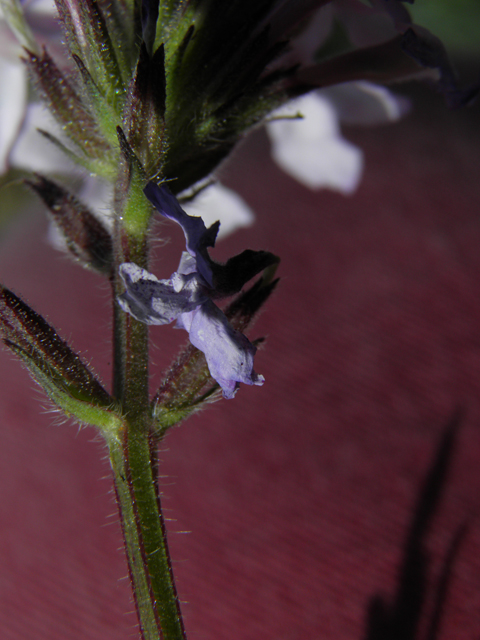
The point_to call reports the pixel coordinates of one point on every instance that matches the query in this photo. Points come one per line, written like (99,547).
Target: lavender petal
(198,237)
(228,352)
(154,301)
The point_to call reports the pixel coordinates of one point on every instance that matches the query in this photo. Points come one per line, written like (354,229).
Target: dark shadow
(443,582)
(399,620)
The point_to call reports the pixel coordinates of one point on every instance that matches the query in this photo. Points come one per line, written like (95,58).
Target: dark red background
(300,497)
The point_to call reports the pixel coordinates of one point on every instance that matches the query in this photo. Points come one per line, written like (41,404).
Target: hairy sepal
(66,105)
(105,114)
(60,372)
(144,116)
(86,237)
(89,38)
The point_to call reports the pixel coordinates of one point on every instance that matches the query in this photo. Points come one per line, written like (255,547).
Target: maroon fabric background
(327,488)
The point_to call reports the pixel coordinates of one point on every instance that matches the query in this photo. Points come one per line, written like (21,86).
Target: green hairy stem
(134,469)
(134,455)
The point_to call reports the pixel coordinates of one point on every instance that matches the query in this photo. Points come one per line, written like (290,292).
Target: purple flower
(187,295)
(197,236)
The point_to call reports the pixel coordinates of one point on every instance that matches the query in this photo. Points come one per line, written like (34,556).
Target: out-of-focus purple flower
(187,296)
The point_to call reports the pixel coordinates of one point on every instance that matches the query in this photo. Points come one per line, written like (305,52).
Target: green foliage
(455,22)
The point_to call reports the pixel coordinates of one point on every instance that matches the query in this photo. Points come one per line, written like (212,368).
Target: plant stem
(145,540)
(144,603)
(134,456)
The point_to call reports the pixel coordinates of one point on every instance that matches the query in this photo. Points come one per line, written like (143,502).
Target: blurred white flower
(216,202)
(310,148)
(306,138)
(31,150)
(366,103)
(14,82)
(306,144)
(12,107)
(22,146)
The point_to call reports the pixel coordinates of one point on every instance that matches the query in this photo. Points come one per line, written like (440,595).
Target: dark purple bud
(156,93)
(149,22)
(428,51)
(186,382)
(230,277)
(144,112)
(242,310)
(125,147)
(86,237)
(134,166)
